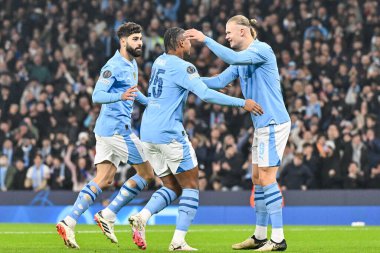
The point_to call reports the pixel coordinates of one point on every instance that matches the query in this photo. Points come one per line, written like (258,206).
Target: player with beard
(115,142)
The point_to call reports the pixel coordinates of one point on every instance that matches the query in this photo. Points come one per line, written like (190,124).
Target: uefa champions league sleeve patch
(107,74)
(104,78)
(191,70)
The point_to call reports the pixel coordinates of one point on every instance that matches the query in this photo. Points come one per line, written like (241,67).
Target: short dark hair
(126,29)
(171,38)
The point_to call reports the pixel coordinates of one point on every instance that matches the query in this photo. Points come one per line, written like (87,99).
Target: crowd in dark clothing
(328,54)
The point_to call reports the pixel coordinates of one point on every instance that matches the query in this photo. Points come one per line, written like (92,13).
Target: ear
(181,43)
(242,32)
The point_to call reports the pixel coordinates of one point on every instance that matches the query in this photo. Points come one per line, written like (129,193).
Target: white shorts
(172,158)
(269,144)
(118,148)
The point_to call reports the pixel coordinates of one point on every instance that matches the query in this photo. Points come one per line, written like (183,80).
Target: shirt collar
(119,56)
(253,42)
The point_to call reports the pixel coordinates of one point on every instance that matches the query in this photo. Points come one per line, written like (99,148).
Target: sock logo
(186,212)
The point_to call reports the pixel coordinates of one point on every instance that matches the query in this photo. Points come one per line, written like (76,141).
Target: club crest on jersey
(191,70)
(107,74)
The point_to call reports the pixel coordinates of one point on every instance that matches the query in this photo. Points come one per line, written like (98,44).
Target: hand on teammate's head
(194,34)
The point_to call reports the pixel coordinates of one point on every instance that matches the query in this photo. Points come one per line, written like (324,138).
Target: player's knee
(175,187)
(191,184)
(267,181)
(148,177)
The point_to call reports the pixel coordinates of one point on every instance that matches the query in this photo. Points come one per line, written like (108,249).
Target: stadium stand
(328,55)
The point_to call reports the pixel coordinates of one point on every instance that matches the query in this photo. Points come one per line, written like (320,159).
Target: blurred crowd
(328,54)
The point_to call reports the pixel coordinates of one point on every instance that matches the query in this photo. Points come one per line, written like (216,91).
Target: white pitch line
(121,231)
(191,230)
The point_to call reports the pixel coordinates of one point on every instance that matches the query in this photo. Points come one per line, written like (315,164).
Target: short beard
(134,52)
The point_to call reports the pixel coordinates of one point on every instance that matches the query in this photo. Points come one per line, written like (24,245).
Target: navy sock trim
(271,194)
(138,187)
(96,194)
(162,195)
(130,190)
(187,205)
(190,198)
(167,193)
(273,200)
(92,197)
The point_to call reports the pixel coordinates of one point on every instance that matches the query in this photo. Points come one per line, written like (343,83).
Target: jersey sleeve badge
(192,72)
(107,74)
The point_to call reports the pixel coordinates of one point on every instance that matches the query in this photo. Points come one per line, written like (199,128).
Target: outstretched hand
(194,34)
(130,94)
(252,106)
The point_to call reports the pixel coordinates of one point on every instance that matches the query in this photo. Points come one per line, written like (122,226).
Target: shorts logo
(261,150)
(107,74)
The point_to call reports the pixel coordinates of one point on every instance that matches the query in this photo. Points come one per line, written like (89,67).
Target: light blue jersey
(116,76)
(259,79)
(171,80)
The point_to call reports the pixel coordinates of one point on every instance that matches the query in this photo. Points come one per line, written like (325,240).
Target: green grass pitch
(40,238)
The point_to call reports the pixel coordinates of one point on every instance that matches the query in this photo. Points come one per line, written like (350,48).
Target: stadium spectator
(355,151)
(230,169)
(296,175)
(310,160)
(19,176)
(60,175)
(7,173)
(330,171)
(354,179)
(37,175)
(374,177)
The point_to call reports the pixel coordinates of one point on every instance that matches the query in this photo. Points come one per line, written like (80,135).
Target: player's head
(130,38)
(174,40)
(238,29)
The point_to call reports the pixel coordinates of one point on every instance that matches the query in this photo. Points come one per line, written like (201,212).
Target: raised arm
(228,55)
(195,85)
(211,96)
(222,80)
(246,57)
